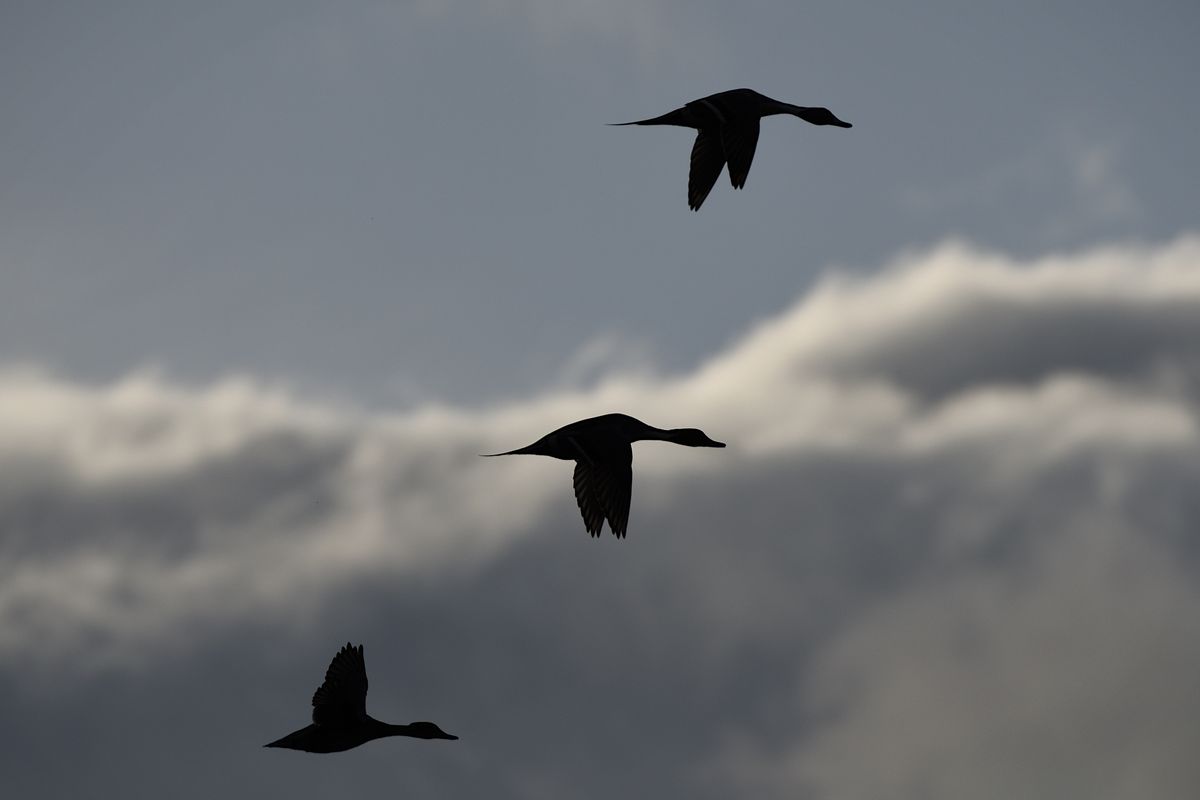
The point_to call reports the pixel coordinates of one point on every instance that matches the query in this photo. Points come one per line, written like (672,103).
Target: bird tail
(680,116)
(520,451)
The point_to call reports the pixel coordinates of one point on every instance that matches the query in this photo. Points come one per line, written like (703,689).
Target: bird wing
(343,695)
(739,141)
(603,487)
(708,156)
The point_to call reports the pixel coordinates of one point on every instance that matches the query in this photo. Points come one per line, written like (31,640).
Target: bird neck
(388,729)
(775,107)
(651,433)
(378,729)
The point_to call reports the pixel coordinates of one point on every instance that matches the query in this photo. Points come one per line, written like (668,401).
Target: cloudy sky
(272,274)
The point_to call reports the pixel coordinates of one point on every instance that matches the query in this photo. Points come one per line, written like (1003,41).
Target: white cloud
(240,476)
(951,532)
(602,357)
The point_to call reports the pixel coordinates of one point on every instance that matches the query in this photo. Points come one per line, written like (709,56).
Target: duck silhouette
(727,125)
(603,455)
(340,720)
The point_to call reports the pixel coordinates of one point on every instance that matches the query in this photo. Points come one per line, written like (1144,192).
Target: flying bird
(603,456)
(340,720)
(727,125)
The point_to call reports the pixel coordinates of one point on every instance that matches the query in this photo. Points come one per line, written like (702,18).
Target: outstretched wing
(603,487)
(343,695)
(739,142)
(708,156)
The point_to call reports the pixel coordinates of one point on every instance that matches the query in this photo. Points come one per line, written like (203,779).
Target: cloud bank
(949,552)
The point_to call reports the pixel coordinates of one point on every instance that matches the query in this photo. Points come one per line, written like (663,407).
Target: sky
(273,274)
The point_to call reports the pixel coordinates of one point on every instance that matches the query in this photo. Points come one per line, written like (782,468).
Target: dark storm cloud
(974,581)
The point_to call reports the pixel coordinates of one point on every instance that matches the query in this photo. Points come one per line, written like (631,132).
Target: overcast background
(272,274)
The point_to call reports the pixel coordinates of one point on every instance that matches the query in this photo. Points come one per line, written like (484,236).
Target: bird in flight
(727,125)
(340,720)
(603,456)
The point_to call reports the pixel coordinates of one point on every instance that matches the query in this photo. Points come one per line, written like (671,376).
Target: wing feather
(603,489)
(739,141)
(343,695)
(708,157)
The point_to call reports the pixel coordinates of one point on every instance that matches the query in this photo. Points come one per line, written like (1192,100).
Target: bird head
(823,116)
(693,437)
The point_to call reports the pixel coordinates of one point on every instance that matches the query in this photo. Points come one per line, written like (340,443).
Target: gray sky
(272,275)
(414,201)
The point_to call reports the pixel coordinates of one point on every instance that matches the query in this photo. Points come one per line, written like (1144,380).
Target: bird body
(340,719)
(316,738)
(601,448)
(727,125)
